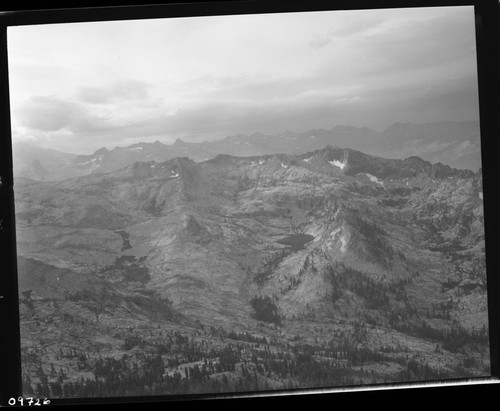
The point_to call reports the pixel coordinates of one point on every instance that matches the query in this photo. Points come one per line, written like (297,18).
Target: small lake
(296,241)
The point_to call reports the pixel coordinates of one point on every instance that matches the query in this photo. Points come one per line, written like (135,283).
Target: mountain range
(326,268)
(456,144)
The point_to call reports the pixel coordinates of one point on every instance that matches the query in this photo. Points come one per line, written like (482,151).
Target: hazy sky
(78,87)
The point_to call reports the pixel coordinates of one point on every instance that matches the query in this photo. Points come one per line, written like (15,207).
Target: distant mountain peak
(335,150)
(343,128)
(395,127)
(179,142)
(102,150)
(224,159)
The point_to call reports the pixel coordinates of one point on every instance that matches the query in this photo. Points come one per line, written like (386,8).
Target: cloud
(190,79)
(82,129)
(120,91)
(209,119)
(53,114)
(452,99)
(347,26)
(441,42)
(319,41)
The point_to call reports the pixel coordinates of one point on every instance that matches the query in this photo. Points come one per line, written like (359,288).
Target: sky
(82,86)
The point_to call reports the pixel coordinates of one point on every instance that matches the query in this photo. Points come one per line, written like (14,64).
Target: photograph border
(487,40)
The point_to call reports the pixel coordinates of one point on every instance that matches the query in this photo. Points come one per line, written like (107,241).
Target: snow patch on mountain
(343,241)
(374,179)
(338,164)
(92,160)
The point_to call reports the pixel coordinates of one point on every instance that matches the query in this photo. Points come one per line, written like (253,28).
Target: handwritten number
(29,401)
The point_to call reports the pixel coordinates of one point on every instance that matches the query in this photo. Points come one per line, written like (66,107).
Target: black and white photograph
(248,203)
